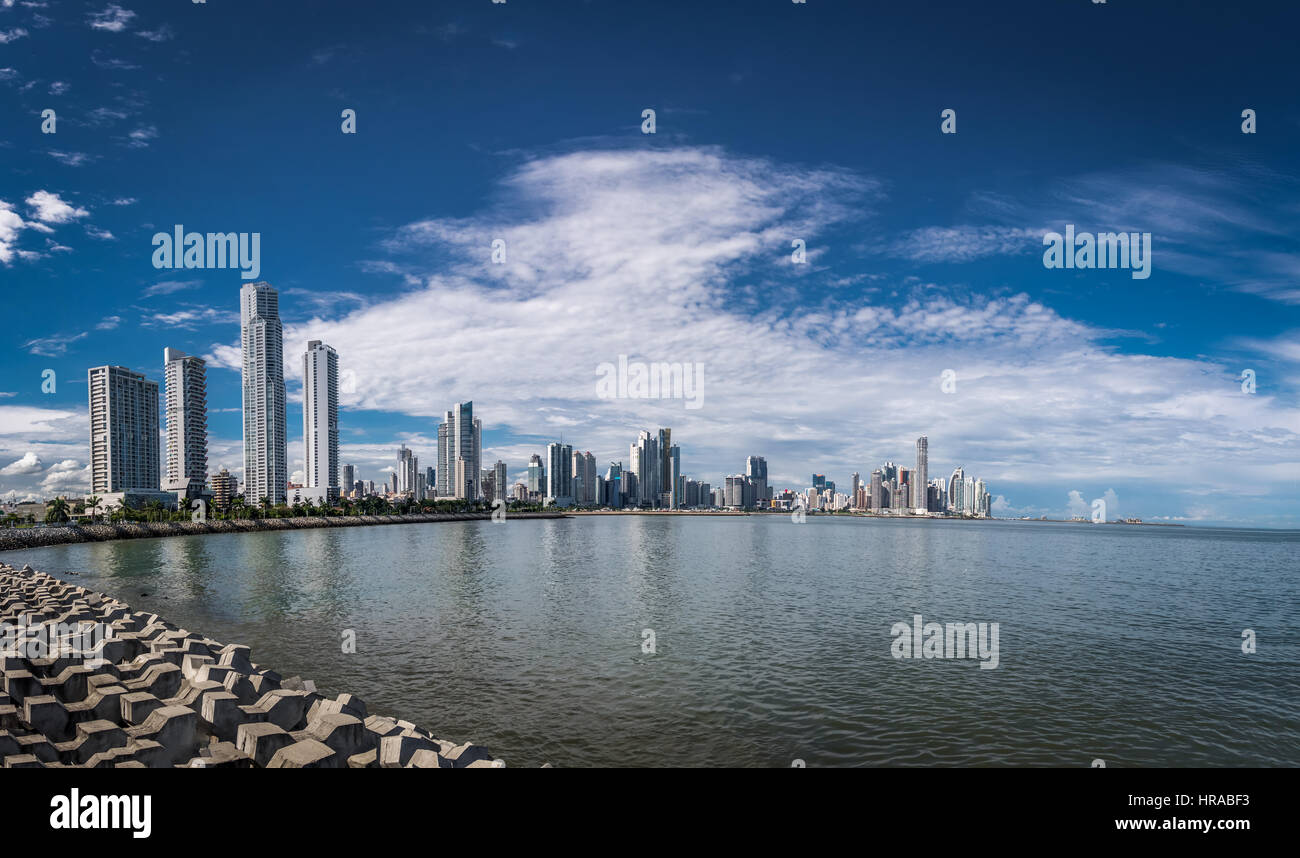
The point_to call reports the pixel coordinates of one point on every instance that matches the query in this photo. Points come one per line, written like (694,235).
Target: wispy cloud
(162,34)
(71,159)
(167,287)
(112,19)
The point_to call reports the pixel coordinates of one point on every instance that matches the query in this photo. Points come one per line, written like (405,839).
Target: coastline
(16,539)
(127,689)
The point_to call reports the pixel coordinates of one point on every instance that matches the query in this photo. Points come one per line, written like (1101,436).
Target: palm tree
(56,511)
(93,503)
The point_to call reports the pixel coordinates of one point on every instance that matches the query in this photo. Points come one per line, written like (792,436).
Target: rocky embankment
(116,688)
(12,539)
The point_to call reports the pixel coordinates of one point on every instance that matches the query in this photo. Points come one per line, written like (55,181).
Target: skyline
(924,251)
(178,430)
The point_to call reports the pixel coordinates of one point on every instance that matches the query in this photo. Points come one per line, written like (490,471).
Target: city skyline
(655,479)
(837,277)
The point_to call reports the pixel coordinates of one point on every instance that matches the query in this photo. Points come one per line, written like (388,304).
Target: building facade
(320,422)
(266,472)
(187,424)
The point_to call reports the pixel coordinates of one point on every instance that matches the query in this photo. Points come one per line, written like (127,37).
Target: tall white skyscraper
(266,472)
(408,467)
(123,430)
(187,424)
(320,421)
(460,439)
(921,478)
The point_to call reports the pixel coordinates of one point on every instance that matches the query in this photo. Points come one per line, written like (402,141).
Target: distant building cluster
(125,444)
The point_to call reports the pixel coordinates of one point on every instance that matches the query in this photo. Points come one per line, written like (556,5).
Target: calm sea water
(773,639)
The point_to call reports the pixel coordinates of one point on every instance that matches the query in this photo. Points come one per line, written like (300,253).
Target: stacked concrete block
(146,694)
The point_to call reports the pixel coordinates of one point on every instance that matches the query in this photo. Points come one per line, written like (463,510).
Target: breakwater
(12,539)
(89,683)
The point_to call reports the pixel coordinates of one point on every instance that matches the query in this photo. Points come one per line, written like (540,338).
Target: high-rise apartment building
(499,479)
(921,478)
(320,422)
(584,479)
(559,474)
(187,424)
(408,467)
(123,431)
(224,489)
(262,342)
(348,480)
(460,439)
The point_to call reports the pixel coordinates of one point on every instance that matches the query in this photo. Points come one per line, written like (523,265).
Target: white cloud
(10,224)
(49,208)
(7,36)
(30,463)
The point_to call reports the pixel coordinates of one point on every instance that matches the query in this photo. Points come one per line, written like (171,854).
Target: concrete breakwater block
(152,695)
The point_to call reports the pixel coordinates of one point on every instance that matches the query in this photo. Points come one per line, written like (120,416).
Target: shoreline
(18,539)
(127,689)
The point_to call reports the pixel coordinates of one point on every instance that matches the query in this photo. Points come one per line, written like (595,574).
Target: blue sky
(775,121)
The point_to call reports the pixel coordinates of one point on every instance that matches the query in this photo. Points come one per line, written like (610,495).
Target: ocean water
(771,640)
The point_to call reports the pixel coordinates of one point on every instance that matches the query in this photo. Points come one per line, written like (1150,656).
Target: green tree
(56,511)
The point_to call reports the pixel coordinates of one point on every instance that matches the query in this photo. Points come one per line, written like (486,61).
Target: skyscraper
(320,422)
(262,341)
(408,466)
(123,431)
(347,483)
(614,485)
(921,478)
(756,470)
(955,484)
(499,478)
(559,474)
(857,484)
(877,489)
(460,440)
(664,478)
(187,424)
(675,483)
(584,479)
(647,466)
(536,475)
